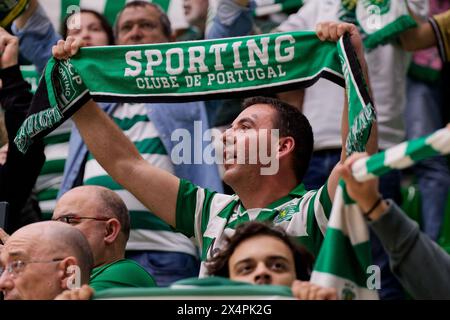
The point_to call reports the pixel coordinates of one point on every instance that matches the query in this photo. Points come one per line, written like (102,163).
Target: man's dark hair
(103,22)
(163,18)
(114,206)
(218,264)
(291,123)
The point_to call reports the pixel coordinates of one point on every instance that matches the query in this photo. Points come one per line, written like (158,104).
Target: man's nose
(5,281)
(85,35)
(262,275)
(228,136)
(136,30)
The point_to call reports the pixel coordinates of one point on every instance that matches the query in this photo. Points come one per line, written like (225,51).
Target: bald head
(100,201)
(114,206)
(101,215)
(57,240)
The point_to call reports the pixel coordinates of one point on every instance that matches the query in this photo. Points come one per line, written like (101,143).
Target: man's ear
(113,227)
(286,146)
(69,273)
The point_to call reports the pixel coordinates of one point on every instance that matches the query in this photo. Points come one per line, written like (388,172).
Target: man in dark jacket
(20,171)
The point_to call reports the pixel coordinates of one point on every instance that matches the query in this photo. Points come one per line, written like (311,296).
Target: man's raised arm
(331,31)
(155,188)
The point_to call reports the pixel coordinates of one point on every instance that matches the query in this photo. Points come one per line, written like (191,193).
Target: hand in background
(364,193)
(83,293)
(9,49)
(305,290)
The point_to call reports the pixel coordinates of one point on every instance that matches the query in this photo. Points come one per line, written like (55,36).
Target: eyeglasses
(72,219)
(16,267)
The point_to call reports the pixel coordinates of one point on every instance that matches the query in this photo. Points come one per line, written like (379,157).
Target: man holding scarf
(208,215)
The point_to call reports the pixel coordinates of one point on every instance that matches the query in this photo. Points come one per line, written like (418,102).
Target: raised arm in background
(406,246)
(20,171)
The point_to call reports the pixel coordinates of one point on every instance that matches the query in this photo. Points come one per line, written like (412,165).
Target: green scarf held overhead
(197,70)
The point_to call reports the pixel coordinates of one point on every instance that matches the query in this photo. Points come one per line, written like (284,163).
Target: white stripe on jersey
(93,168)
(58,151)
(142,130)
(97,5)
(47,181)
(47,205)
(141,239)
(198,216)
(216,224)
(132,203)
(65,127)
(321,218)
(130,110)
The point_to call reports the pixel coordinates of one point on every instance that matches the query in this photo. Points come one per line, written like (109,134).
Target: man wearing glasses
(101,215)
(103,219)
(41,260)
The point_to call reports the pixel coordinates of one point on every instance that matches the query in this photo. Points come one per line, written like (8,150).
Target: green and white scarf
(382,20)
(379,21)
(402,155)
(345,255)
(344,260)
(197,70)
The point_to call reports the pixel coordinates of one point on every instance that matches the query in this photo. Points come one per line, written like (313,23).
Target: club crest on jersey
(286,213)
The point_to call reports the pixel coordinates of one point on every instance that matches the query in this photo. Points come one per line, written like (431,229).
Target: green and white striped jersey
(212,217)
(50,179)
(148,232)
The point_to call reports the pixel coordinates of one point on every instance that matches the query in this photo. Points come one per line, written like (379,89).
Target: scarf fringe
(356,139)
(35,124)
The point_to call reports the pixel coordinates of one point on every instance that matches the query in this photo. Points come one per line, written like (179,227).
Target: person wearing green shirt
(208,216)
(103,218)
(120,274)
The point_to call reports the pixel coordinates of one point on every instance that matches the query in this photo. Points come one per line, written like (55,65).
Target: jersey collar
(298,192)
